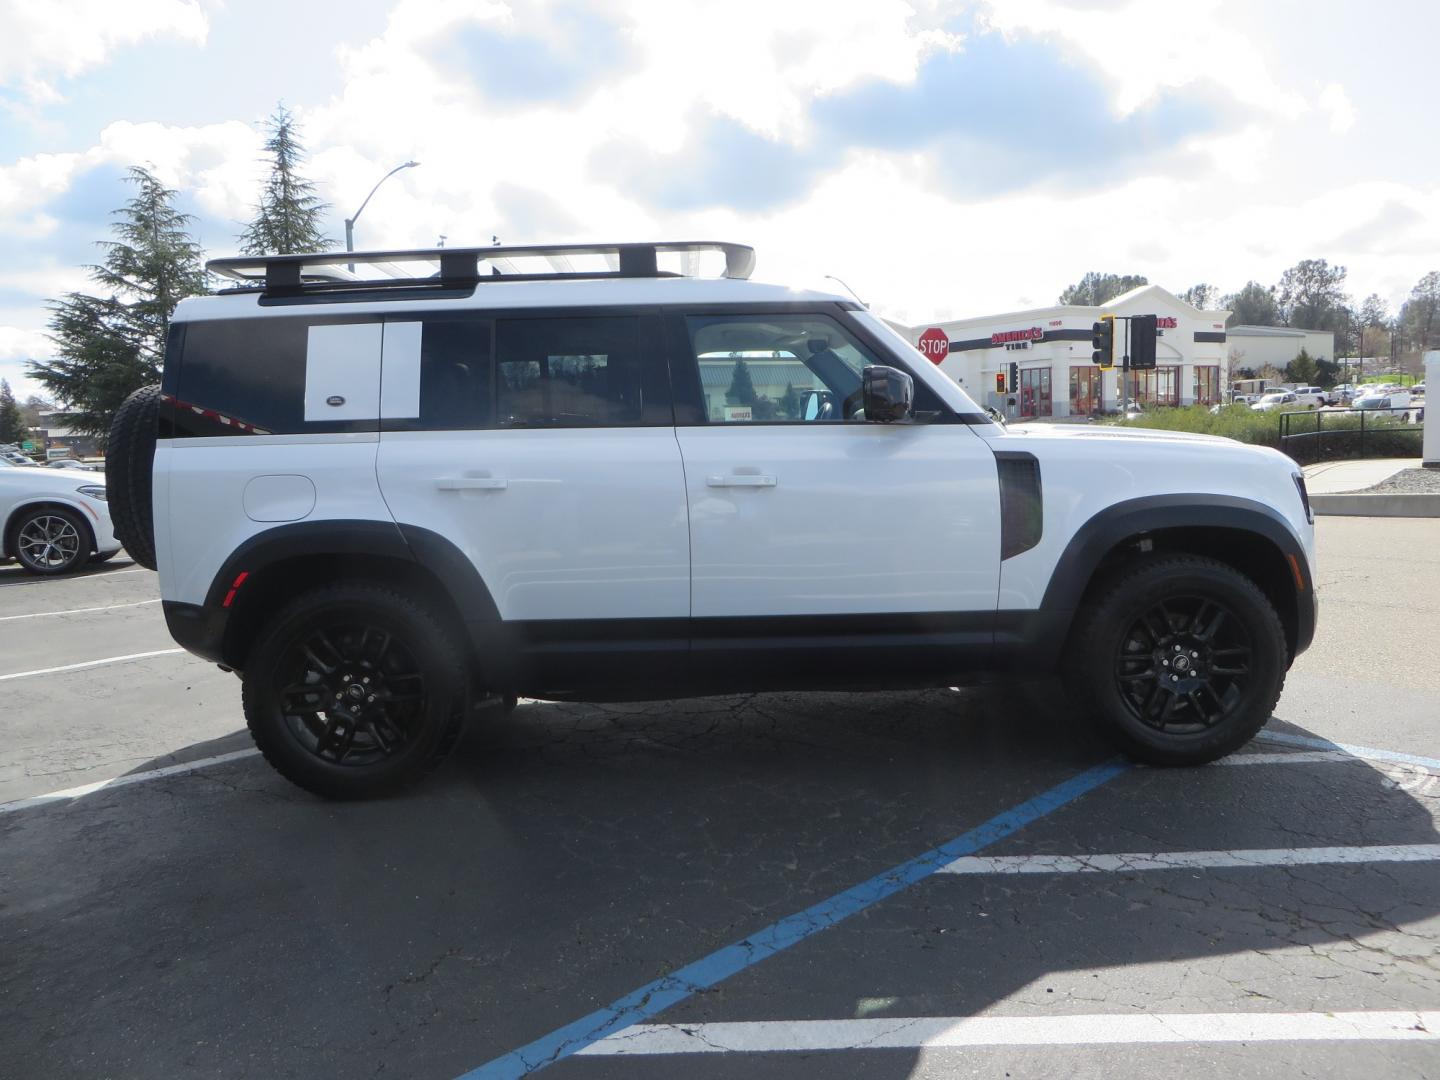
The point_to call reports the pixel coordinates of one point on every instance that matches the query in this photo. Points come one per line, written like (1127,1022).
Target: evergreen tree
(790,402)
(1253,305)
(1096,289)
(288,217)
(742,390)
(107,346)
(13,428)
(1302,370)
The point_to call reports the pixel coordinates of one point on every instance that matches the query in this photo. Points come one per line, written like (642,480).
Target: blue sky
(946,159)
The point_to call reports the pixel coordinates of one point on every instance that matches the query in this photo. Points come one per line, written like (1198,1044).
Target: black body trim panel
(1022,506)
(198,630)
(1210,335)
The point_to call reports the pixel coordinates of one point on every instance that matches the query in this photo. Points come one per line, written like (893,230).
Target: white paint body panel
(200,496)
(578,523)
(1085,469)
(861,518)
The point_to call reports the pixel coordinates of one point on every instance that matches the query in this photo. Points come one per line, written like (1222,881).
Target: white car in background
(1309,397)
(1279,401)
(53,521)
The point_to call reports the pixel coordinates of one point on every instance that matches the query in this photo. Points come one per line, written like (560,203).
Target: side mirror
(889,394)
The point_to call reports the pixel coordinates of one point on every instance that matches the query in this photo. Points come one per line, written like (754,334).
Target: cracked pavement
(222,923)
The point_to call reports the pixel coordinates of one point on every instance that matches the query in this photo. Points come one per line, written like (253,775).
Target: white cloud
(1336,105)
(43,41)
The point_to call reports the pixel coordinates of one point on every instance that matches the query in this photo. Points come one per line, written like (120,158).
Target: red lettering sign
(1003,337)
(1166,322)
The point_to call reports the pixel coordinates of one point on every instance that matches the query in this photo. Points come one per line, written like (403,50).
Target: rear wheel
(354,691)
(50,540)
(1180,659)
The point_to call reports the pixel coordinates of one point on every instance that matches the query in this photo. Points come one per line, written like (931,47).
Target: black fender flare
(202,629)
(1039,640)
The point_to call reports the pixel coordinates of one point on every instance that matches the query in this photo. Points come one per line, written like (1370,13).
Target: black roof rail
(462,266)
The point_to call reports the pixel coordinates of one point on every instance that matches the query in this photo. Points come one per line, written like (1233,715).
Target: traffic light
(1142,342)
(1014,376)
(1102,341)
(999,382)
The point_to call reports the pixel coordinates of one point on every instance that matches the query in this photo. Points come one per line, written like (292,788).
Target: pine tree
(288,217)
(742,389)
(13,428)
(107,346)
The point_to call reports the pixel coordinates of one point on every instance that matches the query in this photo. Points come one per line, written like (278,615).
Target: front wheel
(354,691)
(50,540)
(1180,660)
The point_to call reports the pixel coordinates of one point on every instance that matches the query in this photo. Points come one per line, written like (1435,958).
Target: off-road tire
(1106,643)
(129,477)
(438,722)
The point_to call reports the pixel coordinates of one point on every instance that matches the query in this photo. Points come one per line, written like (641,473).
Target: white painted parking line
(1186,860)
(73,577)
(90,664)
(76,611)
(1310,742)
(1299,757)
(124,781)
(926,1032)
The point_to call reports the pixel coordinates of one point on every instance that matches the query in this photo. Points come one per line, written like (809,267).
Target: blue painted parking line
(655,997)
(1355,751)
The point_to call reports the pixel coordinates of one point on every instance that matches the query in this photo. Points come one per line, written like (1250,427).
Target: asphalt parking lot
(925,884)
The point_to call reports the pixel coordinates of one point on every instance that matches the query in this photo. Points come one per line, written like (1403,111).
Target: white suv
(570,473)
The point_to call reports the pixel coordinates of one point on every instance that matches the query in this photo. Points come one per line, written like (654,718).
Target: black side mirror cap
(889,394)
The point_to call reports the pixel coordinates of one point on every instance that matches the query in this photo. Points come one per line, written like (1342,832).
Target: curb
(1390,504)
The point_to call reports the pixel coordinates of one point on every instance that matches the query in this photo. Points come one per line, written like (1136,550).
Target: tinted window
(247,376)
(576,372)
(455,375)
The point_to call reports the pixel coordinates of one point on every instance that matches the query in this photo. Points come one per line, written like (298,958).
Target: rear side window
(579,372)
(268,376)
(437,373)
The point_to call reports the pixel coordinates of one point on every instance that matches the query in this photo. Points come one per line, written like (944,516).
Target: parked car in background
(1309,397)
(15,457)
(73,463)
(1390,399)
(1280,400)
(53,521)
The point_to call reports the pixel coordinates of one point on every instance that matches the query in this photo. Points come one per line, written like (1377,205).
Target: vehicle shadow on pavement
(223,923)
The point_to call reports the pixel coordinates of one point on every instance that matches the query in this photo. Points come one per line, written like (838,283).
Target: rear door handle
(471,483)
(740,480)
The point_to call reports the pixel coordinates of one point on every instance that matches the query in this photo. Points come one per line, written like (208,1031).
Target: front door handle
(740,480)
(471,483)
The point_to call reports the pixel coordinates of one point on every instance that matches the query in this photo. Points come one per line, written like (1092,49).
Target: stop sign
(935,344)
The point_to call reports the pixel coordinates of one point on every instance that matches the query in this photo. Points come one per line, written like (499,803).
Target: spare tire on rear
(129,459)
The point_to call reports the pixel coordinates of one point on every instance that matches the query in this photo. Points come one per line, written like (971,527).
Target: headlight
(94,491)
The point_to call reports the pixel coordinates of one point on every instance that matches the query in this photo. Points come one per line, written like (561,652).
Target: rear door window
(584,371)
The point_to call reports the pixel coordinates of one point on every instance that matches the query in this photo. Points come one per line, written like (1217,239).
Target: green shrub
(1385,435)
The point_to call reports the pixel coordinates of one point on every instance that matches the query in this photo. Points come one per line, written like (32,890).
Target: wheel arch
(41,502)
(279,563)
(1247,535)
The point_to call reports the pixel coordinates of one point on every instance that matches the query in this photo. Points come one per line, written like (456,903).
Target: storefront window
(1035,392)
(1207,385)
(1158,387)
(1085,383)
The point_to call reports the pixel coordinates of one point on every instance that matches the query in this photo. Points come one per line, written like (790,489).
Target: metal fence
(1330,434)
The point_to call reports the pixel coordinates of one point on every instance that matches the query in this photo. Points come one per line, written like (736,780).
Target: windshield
(1271,399)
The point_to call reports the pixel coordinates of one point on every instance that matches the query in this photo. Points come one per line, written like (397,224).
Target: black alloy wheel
(1183,665)
(1179,659)
(353,695)
(50,540)
(354,691)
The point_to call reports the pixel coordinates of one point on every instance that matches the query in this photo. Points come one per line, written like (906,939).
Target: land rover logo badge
(335,399)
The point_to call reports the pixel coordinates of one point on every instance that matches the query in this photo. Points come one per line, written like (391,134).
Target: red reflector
(230,596)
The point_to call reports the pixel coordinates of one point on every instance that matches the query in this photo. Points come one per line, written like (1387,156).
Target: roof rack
(448,267)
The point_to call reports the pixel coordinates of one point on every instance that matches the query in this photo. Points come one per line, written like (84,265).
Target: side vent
(1022,511)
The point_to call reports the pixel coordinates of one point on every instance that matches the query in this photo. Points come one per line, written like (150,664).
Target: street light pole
(350,221)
